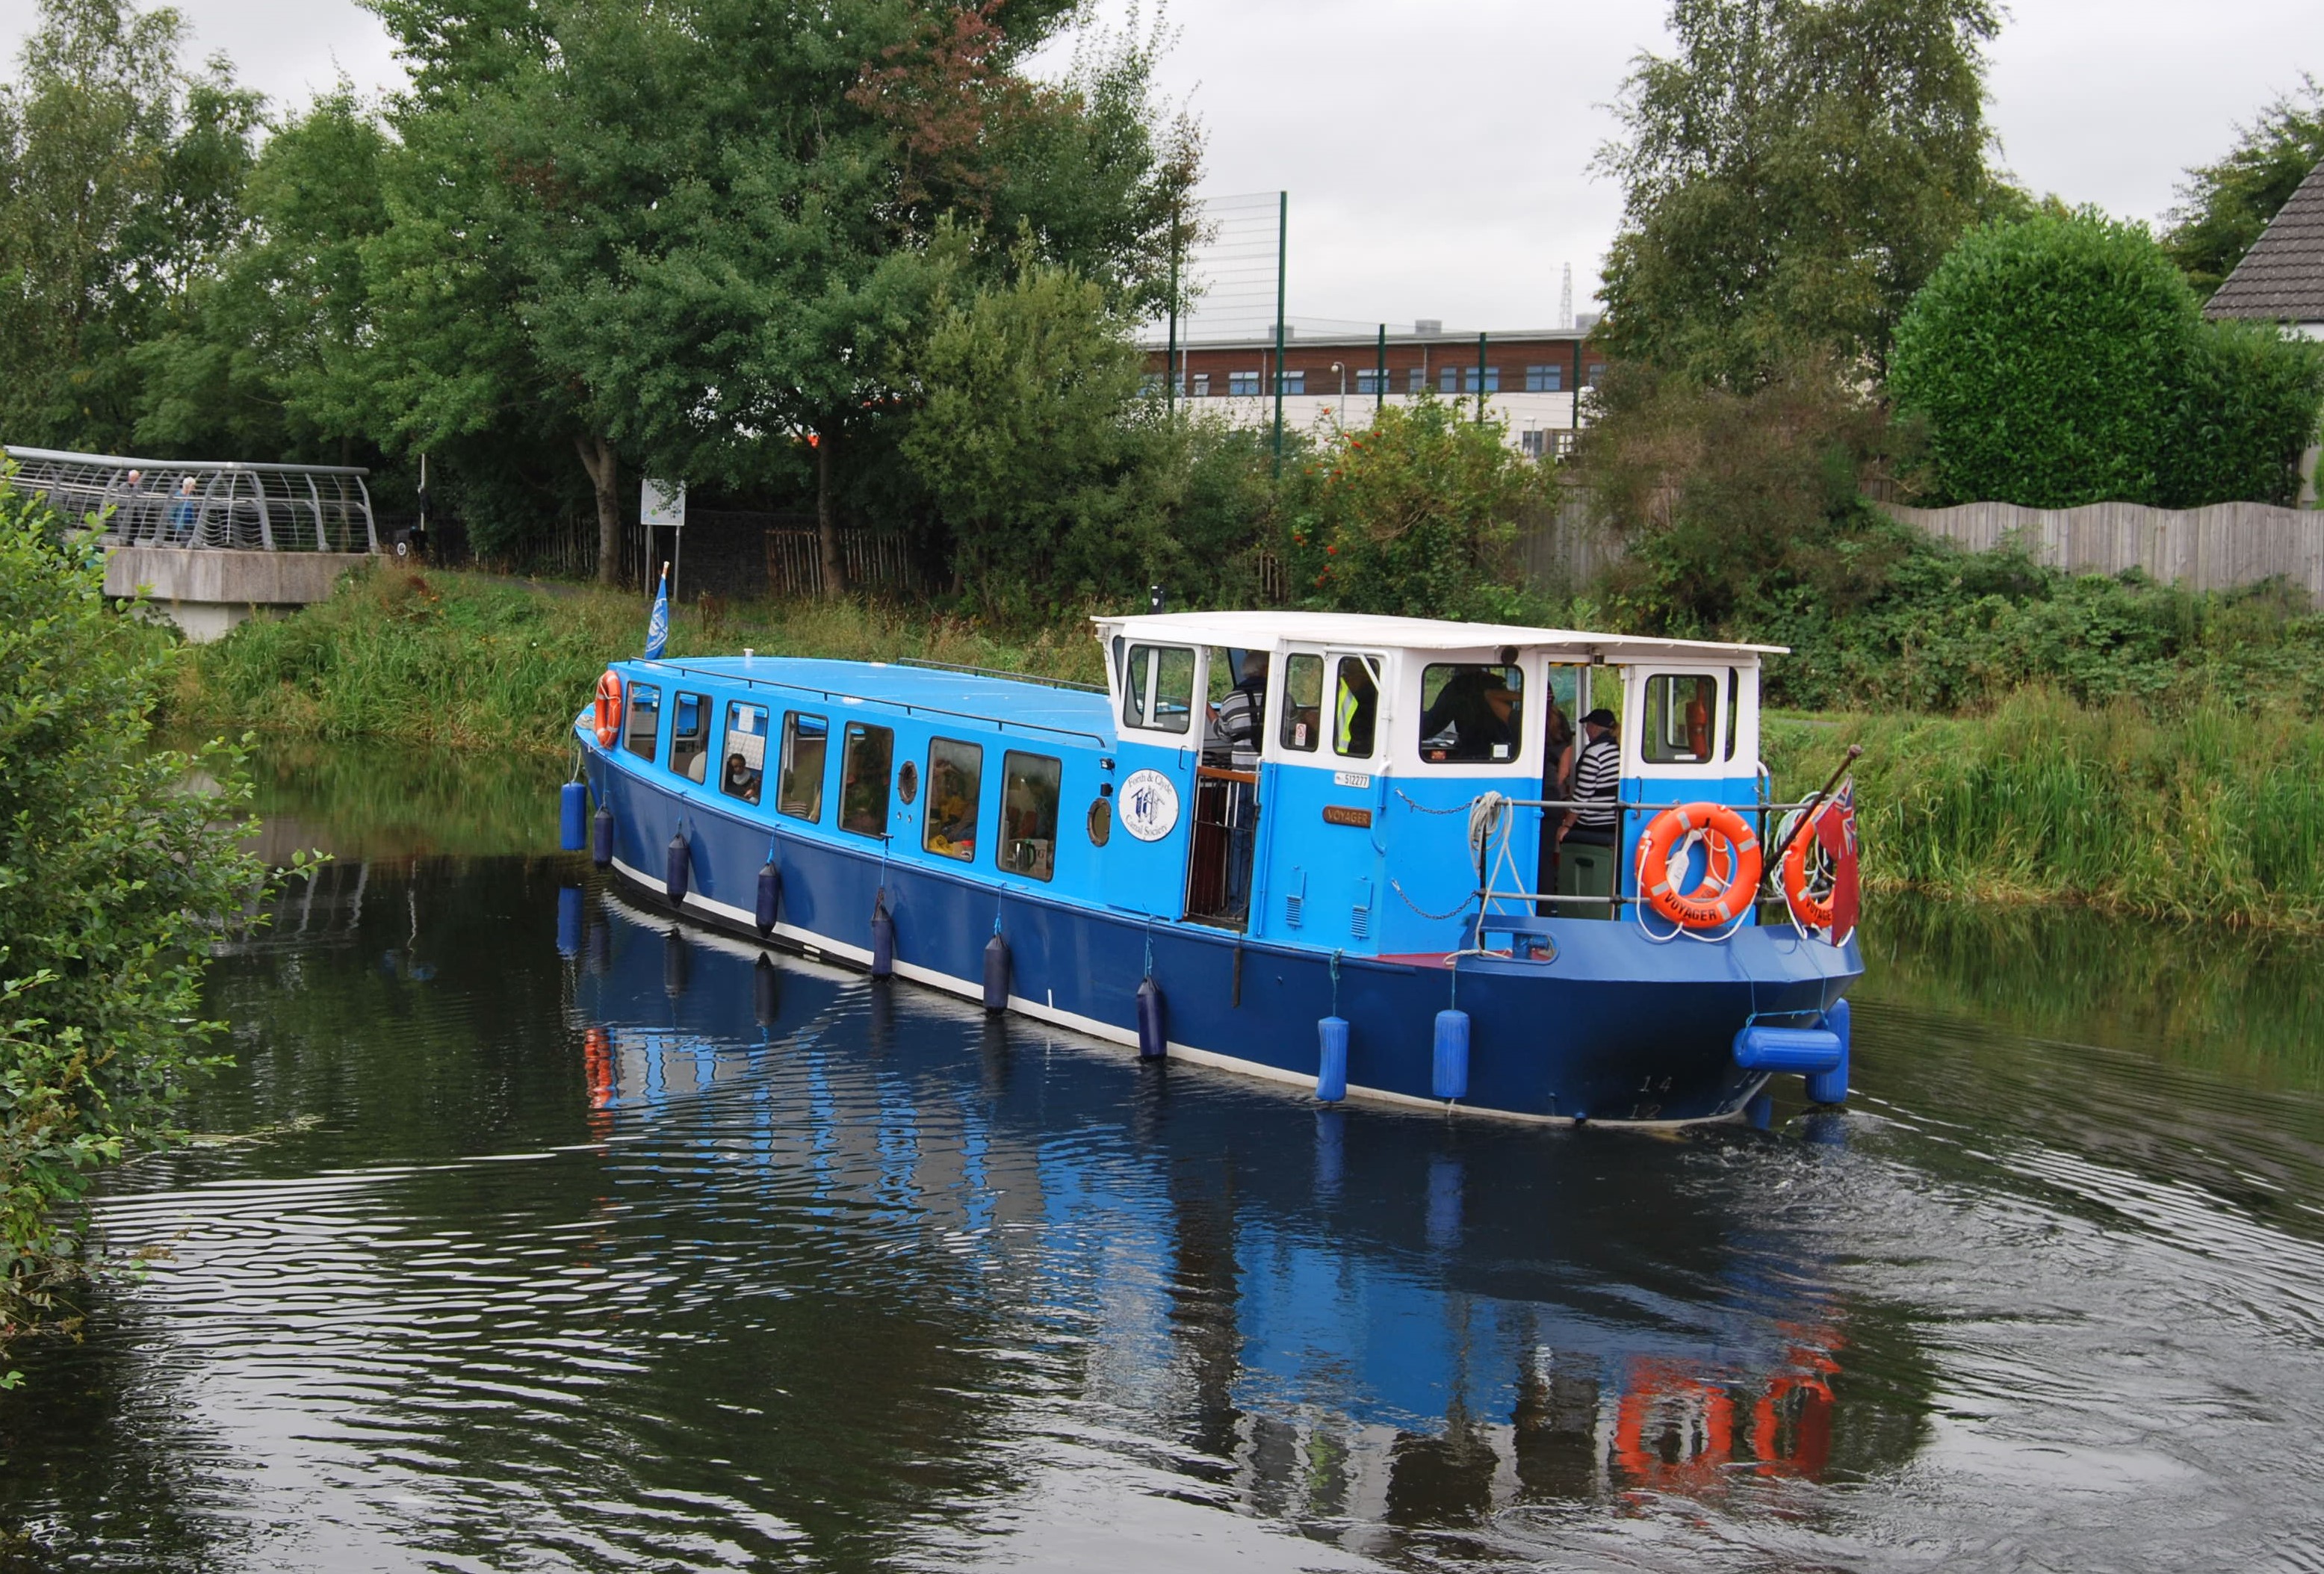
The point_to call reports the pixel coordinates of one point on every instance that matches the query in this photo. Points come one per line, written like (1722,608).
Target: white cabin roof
(1257,630)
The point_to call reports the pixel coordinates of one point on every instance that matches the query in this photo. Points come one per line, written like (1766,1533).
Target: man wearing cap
(1597,782)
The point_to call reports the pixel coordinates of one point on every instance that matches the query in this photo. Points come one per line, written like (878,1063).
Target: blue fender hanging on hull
(1331,1061)
(996,973)
(680,865)
(601,837)
(770,897)
(1449,1078)
(573,816)
(1153,1031)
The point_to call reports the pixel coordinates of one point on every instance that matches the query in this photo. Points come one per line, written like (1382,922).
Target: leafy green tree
(2063,361)
(120,178)
(1791,176)
(267,364)
(1414,515)
(116,871)
(2225,206)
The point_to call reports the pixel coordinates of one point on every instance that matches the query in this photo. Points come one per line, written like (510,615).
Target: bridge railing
(205,503)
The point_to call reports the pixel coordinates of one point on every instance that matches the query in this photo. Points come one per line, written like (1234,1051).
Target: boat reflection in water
(1349,1315)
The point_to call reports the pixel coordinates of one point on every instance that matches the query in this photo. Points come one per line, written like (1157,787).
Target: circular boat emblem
(1149,804)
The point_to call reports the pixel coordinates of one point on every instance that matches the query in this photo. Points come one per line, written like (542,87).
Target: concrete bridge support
(206,590)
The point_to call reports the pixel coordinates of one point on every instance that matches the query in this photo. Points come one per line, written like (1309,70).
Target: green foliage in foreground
(2063,361)
(465,660)
(2214,814)
(113,873)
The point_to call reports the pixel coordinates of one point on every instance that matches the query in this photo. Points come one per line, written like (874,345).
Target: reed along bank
(2207,808)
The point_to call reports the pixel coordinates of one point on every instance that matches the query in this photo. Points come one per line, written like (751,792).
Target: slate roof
(2281,278)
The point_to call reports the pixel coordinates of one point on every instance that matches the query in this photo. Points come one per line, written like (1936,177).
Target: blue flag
(657,629)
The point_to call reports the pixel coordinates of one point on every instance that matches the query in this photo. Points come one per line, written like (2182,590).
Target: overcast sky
(1437,151)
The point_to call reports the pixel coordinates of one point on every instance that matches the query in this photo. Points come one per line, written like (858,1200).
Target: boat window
(806,741)
(1734,709)
(1028,814)
(1561,745)
(955,777)
(1302,703)
(1157,690)
(690,736)
(1682,708)
(746,751)
(645,719)
(1470,712)
(1355,706)
(863,779)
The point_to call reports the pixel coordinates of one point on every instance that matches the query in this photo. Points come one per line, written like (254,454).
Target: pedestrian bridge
(210,542)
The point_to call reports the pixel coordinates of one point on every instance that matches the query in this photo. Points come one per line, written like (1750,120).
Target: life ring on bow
(1810,909)
(1727,838)
(609,707)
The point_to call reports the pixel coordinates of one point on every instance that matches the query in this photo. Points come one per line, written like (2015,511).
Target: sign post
(661,504)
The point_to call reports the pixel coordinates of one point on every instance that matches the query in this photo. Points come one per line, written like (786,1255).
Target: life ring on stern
(1727,837)
(609,707)
(1810,909)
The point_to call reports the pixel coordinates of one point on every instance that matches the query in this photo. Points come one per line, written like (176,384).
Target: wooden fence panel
(2220,548)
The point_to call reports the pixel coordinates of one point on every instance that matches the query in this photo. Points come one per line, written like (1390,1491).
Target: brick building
(1528,379)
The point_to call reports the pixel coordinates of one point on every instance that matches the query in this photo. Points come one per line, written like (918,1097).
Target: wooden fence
(874,560)
(1560,549)
(2220,548)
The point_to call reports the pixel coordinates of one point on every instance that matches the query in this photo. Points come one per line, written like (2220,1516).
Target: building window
(1468,379)
(645,719)
(1597,373)
(1151,384)
(1201,385)
(1415,380)
(955,776)
(864,779)
(1448,380)
(1533,444)
(1029,815)
(1545,380)
(1294,382)
(746,751)
(690,736)
(1373,381)
(1245,383)
(806,741)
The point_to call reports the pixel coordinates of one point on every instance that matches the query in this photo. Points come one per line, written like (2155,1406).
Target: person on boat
(1242,715)
(1597,782)
(1358,704)
(1556,784)
(742,781)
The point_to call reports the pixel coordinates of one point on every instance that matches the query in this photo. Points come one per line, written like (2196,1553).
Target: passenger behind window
(1475,714)
(746,751)
(1353,715)
(690,736)
(955,779)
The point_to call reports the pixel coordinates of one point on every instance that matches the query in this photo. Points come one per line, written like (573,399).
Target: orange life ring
(1812,911)
(1727,836)
(609,708)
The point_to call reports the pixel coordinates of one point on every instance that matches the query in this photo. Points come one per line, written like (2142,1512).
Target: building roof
(1254,631)
(2281,278)
(1303,338)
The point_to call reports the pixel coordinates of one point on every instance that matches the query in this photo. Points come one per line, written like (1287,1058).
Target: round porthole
(908,781)
(1100,820)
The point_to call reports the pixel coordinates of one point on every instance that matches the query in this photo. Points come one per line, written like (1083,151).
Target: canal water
(527,1233)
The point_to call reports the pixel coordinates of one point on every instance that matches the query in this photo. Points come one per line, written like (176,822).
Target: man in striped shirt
(1597,779)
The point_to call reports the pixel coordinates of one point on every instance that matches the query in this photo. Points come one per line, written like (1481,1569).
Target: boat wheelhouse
(1317,848)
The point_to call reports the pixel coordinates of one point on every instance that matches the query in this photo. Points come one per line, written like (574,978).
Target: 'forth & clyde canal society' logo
(1150,805)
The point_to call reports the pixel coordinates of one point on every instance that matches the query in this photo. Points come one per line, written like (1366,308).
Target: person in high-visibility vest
(1352,730)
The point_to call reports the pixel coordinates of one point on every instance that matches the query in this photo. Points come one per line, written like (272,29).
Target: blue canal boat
(1362,855)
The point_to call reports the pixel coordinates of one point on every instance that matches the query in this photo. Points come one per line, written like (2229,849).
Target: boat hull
(1615,1026)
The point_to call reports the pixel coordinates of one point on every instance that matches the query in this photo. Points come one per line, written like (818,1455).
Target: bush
(1414,516)
(2062,360)
(115,868)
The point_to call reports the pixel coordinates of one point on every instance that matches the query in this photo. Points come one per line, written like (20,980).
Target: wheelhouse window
(807,746)
(1157,688)
(745,765)
(864,759)
(1471,713)
(1682,713)
(1302,703)
(689,736)
(1028,814)
(1355,707)
(645,720)
(955,779)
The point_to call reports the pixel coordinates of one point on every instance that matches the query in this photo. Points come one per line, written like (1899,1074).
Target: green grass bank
(2210,809)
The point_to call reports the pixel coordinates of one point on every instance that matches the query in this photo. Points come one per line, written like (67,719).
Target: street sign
(661,505)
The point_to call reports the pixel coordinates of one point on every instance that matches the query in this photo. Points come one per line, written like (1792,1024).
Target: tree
(2062,361)
(2225,206)
(267,364)
(120,174)
(693,234)
(1791,176)
(1414,515)
(114,874)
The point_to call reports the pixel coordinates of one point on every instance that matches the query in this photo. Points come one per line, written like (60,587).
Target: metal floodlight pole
(1380,376)
(1170,359)
(1282,251)
(1480,378)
